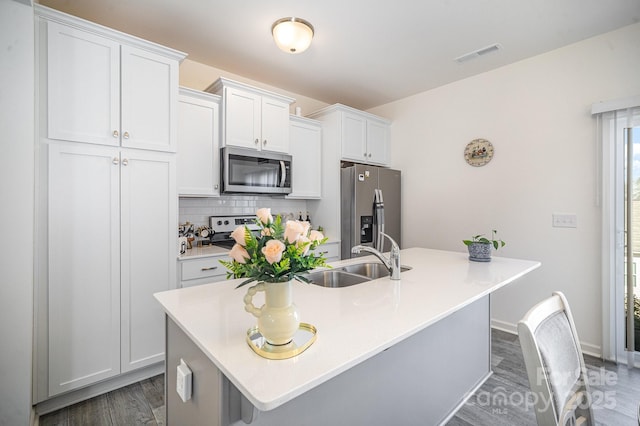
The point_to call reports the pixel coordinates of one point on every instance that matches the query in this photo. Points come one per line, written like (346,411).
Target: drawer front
(330,251)
(203,268)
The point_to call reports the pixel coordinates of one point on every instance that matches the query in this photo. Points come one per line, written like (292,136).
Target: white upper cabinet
(84,86)
(365,139)
(198,144)
(105,92)
(361,137)
(306,150)
(252,117)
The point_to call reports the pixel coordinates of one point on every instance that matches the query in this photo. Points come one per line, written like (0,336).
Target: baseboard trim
(466,398)
(92,391)
(587,348)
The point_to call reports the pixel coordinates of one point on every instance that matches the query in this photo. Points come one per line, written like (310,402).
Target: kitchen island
(387,352)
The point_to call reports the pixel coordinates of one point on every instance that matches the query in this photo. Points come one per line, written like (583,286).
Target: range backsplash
(198,210)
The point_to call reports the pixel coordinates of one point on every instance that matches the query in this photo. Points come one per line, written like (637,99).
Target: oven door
(256,172)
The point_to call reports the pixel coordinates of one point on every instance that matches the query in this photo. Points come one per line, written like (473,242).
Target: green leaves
(292,265)
(497,243)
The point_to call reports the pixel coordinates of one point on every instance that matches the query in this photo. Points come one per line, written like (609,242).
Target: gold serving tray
(304,337)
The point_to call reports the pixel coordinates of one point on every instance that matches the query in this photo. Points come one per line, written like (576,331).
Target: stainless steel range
(223,226)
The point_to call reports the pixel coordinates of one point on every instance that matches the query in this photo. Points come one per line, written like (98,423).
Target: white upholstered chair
(555,365)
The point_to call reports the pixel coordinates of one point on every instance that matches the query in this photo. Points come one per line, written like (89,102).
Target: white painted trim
(507,327)
(615,104)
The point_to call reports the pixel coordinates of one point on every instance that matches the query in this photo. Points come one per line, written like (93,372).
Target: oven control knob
(219,222)
(226,222)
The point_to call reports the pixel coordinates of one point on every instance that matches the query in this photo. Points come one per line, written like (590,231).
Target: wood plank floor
(140,403)
(503,400)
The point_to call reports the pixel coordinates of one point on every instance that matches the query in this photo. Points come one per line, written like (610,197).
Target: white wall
(537,115)
(197,76)
(16,210)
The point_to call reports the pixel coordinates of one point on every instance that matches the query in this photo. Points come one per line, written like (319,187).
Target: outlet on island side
(564,220)
(184,380)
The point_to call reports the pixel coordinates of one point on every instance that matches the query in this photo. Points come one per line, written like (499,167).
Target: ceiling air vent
(477,53)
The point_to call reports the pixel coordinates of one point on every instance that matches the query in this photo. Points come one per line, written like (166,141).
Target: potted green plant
(480,246)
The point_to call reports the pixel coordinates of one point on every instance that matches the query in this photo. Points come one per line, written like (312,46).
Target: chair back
(555,365)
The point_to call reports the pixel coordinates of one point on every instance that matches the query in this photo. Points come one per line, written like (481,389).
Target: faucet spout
(392,263)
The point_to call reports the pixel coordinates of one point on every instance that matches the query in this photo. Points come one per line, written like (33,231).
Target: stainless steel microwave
(255,172)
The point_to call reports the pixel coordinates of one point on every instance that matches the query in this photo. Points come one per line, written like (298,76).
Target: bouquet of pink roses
(280,253)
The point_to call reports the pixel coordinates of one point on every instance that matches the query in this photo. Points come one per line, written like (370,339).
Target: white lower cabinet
(202,270)
(330,250)
(111,220)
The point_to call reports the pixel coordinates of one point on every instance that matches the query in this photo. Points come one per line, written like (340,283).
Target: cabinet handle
(125,135)
(125,162)
(115,160)
(257,142)
(209,269)
(115,134)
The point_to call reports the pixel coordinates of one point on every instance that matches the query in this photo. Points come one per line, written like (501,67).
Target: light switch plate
(184,379)
(565,220)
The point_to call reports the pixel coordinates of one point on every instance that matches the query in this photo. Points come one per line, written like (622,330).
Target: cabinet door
(354,137)
(306,150)
(84,266)
(83,86)
(198,153)
(149,100)
(148,254)
(275,125)
(242,119)
(377,142)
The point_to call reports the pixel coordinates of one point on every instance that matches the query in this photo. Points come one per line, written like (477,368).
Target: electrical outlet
(565,220)
(184,379)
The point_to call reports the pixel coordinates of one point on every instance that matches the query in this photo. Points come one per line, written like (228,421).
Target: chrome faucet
(392,264)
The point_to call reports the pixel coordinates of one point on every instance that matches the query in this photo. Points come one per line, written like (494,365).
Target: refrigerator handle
(378,206)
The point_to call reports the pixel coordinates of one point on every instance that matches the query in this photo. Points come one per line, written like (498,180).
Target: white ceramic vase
(278,318)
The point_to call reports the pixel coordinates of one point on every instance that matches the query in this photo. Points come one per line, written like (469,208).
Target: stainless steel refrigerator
(371,202)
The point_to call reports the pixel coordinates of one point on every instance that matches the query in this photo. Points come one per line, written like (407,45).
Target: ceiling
(364,53)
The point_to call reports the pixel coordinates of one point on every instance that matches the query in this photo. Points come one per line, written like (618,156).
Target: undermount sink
(371,270)
(335,278)
(346,276)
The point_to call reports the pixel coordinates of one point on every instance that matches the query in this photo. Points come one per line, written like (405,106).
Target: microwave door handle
(283,174)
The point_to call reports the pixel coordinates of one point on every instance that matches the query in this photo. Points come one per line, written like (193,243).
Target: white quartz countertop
(354,323)
(203,251)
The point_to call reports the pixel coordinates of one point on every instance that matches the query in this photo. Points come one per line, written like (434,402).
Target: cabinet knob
(125,135)
(215,186)
(115,161)
(125,162)
(265,142)
(257,142)
(116,134)
(369,155)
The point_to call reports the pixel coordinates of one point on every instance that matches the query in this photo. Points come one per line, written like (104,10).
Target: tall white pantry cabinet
(106,202)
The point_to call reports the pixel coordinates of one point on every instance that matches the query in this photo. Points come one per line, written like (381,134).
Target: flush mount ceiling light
(292,35)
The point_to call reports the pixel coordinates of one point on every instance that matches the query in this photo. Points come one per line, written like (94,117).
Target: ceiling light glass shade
(292,35)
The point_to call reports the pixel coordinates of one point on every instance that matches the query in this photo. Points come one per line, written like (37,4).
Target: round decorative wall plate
(478,152)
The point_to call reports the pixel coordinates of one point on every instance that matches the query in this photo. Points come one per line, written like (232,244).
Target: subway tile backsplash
(198,210)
